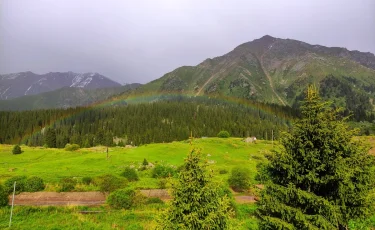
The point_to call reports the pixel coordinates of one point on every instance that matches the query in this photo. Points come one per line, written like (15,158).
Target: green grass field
(54,164)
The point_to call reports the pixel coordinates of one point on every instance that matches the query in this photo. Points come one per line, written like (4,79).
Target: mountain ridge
(267,69)
(14,85)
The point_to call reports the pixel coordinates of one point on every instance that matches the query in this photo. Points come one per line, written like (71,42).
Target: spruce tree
(321,178)
(197,202)
(50,138)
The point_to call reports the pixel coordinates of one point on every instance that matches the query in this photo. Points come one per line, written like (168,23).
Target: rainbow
(150,97)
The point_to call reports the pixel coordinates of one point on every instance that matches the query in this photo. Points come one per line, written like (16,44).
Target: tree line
(162,121)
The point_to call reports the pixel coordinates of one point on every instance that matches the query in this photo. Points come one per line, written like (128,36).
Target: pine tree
(321,178)
(50,138)
(197,203)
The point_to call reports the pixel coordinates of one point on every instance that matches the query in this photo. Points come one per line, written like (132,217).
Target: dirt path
(59,198)
(89,198)
(269,77)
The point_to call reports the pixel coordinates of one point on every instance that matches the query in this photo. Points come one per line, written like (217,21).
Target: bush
(223,171)
(71,147)
(67,184)
(223,134)
(16,149)
(162,183)
(163,171)
(86,180)
(225,191)
(20,185)
(34,184)
(239,179)
(122,198)
(109,183)
(3,196)
(145,162)
(130,174)
(154,200)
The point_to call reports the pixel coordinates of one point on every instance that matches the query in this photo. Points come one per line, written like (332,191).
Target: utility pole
(11,211)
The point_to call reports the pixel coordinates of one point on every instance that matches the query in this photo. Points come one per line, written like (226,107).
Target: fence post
(11,210)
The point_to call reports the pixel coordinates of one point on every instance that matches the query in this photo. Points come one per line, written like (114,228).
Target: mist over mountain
(28,83)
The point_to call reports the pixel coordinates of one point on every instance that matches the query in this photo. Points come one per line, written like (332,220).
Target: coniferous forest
(136,124)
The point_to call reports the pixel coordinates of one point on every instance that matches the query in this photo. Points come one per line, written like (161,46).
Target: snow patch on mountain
(76,80)
(28,89)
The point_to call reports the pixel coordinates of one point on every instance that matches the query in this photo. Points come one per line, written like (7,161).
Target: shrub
(20,185)
(239,179)
(86,180)
(154,200)
(162,183)
(223,171)
(163,171)
(130,174)
(34,184)
(3,196)
(223,134)
(16,149)
(225,191)
(71,147)
(145,162)
(67,184)
(122,198)
(109,183)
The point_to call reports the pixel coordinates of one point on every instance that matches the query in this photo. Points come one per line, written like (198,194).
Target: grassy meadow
(54,164)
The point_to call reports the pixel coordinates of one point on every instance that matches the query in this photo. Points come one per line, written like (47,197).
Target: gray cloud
(138,41)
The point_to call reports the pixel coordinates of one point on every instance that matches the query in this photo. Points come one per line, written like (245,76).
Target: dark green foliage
(16,149)
(320,179)
(122,198)
(71,147)
(197,202)
(223,171)
(162,183)
(163,171)
(130,174)
(3,196)
(34,184)
(50,138)
(239,179)
(86,180)
(162,121)
(154,200)
(20,185)
(67,184)
(109,182)
(145,162)
(223,134)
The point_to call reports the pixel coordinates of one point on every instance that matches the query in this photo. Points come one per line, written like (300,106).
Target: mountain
(277,70)
(64,98)
(28,83)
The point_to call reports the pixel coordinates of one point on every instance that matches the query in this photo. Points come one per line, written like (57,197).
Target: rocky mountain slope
(276,70)
(64,98)
(28,83)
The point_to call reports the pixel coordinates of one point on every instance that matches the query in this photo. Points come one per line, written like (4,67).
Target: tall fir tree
(197,201)
(50,138)
(321,178)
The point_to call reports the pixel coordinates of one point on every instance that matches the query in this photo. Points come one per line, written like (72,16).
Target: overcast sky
(138,41)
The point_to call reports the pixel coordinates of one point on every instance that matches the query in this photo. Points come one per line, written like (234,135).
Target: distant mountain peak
(28,83)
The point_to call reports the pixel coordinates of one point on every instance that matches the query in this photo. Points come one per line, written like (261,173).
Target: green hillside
(272,70)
